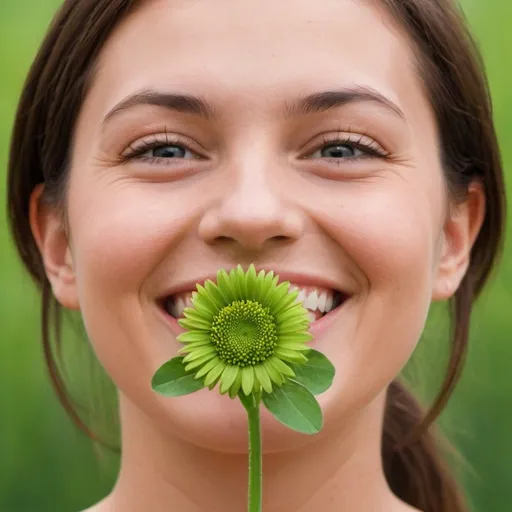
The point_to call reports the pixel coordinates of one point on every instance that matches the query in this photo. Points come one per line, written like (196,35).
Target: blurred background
(46,464)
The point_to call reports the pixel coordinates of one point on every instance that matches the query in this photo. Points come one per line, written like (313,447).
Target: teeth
(315,299)
(177,304)
(321,300)
(329,303)
(311,316)
(188,301)
(177,307)
(311,301)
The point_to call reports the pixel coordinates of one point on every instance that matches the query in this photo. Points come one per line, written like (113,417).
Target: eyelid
(360,140)
(149,142)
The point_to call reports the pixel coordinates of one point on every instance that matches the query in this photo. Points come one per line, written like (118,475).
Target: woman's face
(224,133)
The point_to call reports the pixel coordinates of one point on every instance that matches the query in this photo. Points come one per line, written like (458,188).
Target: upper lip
(296,278)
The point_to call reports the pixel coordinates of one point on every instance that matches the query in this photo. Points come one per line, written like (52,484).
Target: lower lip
(317,328)
(322,325)
(173,322)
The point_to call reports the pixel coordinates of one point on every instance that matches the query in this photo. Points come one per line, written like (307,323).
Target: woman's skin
(259,180)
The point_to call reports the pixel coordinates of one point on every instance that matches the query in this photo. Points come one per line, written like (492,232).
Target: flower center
(244,333)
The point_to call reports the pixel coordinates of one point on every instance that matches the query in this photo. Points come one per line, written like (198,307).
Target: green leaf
(171,379)
(295,406)
(316,374)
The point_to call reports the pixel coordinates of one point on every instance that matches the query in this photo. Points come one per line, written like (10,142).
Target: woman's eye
(167,151)
(338,151)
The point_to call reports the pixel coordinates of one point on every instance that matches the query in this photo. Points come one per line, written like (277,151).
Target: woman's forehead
(255,47)
(254,54)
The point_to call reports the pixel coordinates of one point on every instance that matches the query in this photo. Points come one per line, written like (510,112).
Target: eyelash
(156,141)
(362,142)
(370,147)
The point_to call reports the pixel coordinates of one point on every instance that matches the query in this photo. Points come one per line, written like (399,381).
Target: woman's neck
(341,471)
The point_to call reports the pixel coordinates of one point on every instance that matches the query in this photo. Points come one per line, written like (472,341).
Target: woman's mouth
(319,302)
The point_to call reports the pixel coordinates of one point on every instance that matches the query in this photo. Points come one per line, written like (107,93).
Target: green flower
(249,334)
(243,332)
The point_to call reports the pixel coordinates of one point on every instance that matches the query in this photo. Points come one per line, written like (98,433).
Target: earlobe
(53,244)
(460,231)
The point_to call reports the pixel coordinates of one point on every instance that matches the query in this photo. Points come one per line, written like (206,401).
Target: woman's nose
(252,212)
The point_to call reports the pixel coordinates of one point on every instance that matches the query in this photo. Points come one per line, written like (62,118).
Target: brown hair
(455,83)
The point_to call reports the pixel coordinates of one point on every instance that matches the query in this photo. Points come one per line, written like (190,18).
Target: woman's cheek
(122,235)
(389,233)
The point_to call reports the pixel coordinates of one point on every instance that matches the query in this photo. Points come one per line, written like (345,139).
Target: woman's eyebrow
(184,103)
(326,100)
(315,102)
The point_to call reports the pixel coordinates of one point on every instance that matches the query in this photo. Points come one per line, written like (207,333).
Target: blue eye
(350,146)
(166,151)
(338,151)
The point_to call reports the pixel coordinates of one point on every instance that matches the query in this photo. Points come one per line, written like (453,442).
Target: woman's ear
(460,231)
(53,244)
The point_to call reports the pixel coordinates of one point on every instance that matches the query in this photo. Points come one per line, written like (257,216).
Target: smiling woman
(158,142)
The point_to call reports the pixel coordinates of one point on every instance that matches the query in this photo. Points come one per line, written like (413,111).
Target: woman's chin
(215,422)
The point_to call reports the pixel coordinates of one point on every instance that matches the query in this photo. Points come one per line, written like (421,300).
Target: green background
(47,465)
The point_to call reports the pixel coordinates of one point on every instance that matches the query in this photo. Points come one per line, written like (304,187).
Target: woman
(348,146)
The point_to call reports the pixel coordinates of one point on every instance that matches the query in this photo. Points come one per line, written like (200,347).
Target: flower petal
(270,286)
(276,296)
(214,374)
(290,345)
(276,376)
(247,379)
(193,336)
(260,287)
(226,287)
(190,347)
(228,377)
(215,299)
(235,387)
(216,291)
(292,356)
(263,377)
(199,352)
(281,366)
(257,385)
(194,325)
(288,300)
(207,367)
(204,307)
(197,315)
(292,326)
(292,314)
(199,362)
(250,283)
(238,278)
(299,337)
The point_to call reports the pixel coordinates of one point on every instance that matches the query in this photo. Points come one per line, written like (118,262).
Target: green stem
(252,405)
